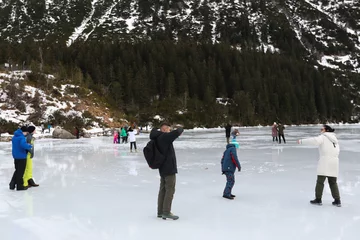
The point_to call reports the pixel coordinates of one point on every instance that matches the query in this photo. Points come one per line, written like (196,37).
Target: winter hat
(24,129)
(328,128)
(31,129)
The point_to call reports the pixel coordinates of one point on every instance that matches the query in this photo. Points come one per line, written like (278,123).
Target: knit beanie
(31,129)
(24,129)
(328,128)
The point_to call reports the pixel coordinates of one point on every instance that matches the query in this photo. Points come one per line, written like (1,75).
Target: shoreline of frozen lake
(93,189)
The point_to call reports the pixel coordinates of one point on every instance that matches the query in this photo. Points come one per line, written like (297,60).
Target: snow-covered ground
(92,189)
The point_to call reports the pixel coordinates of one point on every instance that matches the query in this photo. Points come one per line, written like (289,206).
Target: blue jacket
(230,161)
(19,145)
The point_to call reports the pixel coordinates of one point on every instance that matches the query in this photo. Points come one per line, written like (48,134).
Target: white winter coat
(132,137)
(329,150)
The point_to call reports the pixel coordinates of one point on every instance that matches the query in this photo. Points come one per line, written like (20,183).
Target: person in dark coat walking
(229,163)
(19,153)
(164,140)
(227,132)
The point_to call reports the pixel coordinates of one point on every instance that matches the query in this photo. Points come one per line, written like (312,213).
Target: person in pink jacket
(274,132)
(116,134)
(328,164)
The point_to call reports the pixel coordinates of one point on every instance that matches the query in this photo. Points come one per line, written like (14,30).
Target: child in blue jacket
(229,163)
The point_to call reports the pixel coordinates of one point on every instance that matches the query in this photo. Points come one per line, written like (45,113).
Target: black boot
(228,197)
(337,203)
(21,188)
(316,201)
(32,183)
(12,185)
(233,196)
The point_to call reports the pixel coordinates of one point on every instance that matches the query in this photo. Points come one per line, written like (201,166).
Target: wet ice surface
(93,189)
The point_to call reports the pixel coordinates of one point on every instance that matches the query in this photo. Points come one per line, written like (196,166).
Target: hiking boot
(228,197)
(169,215)
(337,203)
(22,188)
(316,202)
(32,183)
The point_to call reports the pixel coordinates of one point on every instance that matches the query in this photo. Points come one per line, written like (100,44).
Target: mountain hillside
(328,30)
(297,61)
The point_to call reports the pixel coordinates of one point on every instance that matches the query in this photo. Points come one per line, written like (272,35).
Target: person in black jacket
(164,141)
(227,132)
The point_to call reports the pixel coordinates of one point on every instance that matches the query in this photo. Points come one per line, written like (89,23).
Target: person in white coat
(328,165)
(132,138)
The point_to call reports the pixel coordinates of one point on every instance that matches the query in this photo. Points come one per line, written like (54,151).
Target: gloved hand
(239,169)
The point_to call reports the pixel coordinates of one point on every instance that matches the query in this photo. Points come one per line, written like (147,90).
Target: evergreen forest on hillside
(191,83)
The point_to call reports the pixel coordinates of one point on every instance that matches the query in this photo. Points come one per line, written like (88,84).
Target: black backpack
(152,155)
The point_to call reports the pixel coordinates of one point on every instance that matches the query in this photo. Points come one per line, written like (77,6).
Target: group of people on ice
(328,164)
(23,153)
(126,134)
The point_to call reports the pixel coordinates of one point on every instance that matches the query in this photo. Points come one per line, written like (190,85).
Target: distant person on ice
(229,163)
(234,134)
(115,136)
(328,165)
(19,152)
(132,139)
(227,132)
(28,176)
(274,132)
(280,129)
(164,140)
(124,135)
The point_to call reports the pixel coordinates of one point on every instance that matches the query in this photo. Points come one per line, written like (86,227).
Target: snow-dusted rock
(62,134)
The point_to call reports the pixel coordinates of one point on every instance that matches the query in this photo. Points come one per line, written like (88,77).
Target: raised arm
(171,136)
(316,141)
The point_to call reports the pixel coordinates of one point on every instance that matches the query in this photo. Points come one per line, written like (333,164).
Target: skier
(132,139)
(280,129)
(229,163)
(227,132)
(19,148)
(328,165)
(274,132)
(28,178)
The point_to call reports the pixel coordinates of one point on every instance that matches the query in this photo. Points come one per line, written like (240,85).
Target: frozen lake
(92,189)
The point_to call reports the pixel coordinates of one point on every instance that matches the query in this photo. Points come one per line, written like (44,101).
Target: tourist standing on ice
(229,163)
(132,139)
(328,165)
(227,132)
(164,141)
(274,132)
(124,135)
(19,153)
(235,133)
(28,176)
(115,136)
(280,129)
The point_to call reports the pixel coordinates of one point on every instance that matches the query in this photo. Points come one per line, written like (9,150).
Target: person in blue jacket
(19,151)
(229,164)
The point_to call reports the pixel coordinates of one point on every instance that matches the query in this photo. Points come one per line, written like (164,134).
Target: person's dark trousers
(333,187)
(17,179)
(283,137)
(275,139)
(123,140)
(166,194)
(132,144)
(126,139)
(118,140)
(230,182)
(228,140)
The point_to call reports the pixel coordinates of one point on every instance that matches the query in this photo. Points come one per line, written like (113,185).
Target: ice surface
(93,189)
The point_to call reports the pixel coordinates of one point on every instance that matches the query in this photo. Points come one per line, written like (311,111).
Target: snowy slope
(328,30)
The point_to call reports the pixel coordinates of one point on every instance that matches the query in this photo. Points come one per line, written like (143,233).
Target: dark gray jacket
(30,140)
(164,142)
